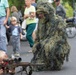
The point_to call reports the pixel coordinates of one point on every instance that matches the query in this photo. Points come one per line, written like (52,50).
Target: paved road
(69,68)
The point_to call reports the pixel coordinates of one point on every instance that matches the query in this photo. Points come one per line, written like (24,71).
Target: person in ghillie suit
(51,47)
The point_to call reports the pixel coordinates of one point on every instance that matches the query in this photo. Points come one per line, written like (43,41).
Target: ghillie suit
(51,46)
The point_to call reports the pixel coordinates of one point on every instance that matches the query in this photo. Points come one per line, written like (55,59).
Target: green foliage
(69,10)
(68,4)
(18,3)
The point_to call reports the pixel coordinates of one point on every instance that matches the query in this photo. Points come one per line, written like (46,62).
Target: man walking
(4,14)
(60,10)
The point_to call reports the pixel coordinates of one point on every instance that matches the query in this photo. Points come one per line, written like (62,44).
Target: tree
(18,3)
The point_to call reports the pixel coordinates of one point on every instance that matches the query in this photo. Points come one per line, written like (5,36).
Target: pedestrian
(15,13)
(7,31)
(4,14)
(29,15)
(60,10)
(34,3)
(34,32)
(3,56)
(16,33)
(20,16)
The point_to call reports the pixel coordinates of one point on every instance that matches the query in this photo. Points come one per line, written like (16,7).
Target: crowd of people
(12,23)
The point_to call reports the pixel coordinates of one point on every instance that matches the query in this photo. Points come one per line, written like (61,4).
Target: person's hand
(1,71)
(26,16)
(6,26)
(31,15)
(34,35)
(5,21)
(21,36)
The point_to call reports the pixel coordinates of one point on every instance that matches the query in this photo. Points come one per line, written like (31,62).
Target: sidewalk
(24,48)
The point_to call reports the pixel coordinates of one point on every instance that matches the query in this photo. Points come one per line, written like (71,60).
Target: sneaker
(17,55)
(12,56)
(30,51)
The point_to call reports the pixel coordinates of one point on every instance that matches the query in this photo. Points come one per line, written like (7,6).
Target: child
(16,33)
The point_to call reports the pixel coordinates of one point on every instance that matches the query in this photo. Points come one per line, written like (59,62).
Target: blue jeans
(3,45)
(16,43)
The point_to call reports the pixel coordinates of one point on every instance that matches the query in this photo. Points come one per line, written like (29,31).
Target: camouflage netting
(51,46)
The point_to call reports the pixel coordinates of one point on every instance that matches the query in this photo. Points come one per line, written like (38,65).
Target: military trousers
(29,29)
